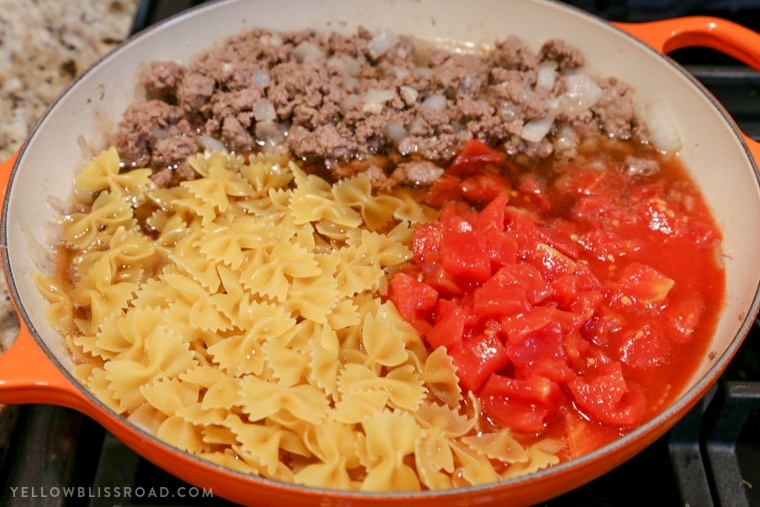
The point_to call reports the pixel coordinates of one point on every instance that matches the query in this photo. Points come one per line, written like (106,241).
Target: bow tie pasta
(241,317)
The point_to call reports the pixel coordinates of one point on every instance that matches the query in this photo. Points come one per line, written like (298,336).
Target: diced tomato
(518,283)
(501,247)
(474,158)
(605,244)
(415,300)
(601,326)
(586,304)
(550,262)
(565,290)
(491,221)
(563,236)
(590,208)
(555,287)
(587,280)
(645,346)
(523,405)
(541,354)
(446,188)
(456,212)
(449,325)
(534,195)
(579,182)
(530,323)
(522,227)
(505,293)
(683,318)
(426,242)
(461,254)
(644,284)
(484,187)
(441,280)
(576,349)
(606,397)
(658,217)
(474,174)
(476,358)
(581,434)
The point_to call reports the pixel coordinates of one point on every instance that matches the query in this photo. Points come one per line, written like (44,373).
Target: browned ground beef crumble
(383,103)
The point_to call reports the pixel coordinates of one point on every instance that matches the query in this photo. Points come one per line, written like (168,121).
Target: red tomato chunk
(568,293)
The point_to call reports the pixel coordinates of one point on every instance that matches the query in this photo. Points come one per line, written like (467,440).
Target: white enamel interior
(89,110)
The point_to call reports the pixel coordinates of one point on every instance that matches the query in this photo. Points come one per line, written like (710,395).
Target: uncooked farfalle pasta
(241,317)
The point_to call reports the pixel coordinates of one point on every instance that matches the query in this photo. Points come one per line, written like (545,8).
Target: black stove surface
(710,458)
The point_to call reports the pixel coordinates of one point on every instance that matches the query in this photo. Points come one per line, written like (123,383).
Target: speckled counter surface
(44,45)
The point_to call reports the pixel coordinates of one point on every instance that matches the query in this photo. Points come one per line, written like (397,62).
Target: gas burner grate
(714,448)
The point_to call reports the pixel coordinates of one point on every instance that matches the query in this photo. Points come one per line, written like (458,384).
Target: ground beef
(566,56)
(613,112)
(162,79)
(337,98)
(155,134)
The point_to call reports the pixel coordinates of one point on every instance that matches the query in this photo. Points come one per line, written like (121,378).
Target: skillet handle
(719,34)
(27,375)
(5,175)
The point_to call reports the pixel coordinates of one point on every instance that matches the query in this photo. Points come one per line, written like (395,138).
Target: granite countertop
(44,45)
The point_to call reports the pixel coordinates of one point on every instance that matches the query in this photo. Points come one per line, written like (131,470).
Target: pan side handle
(719,34)
(5,175)
(27,374)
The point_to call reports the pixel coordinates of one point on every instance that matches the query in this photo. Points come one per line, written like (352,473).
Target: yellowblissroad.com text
(126,492)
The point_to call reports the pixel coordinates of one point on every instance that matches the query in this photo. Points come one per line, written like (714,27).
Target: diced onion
(347,65)
(566,138)
(662,132)
(582,93)
(637,166)
(210,143)
(417,127)
(270,133)
(421,172)
(424,71)
(509,111)
(536,130)
(349,102)
(263,110)
(260,79)
(408,94)
(378,95)
(271,39)
(307,52)
(400,72)
(547,76)
(380,43)
(436,102)
(375,98)
(394,130)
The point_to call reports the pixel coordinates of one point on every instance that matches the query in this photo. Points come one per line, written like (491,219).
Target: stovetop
(711,457)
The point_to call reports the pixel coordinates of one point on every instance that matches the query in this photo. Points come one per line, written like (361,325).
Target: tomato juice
(576,297)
